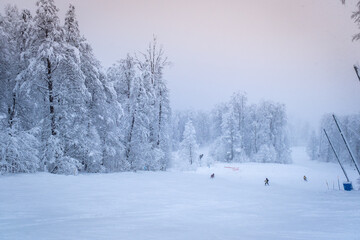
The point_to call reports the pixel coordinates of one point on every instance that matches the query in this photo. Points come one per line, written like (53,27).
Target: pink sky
(298,52)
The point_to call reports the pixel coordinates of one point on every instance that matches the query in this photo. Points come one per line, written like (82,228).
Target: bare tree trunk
(128,144)
(11,111)
(51,97)
(160,116)
(191,160)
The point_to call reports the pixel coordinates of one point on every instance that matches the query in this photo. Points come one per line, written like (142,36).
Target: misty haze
(179,119)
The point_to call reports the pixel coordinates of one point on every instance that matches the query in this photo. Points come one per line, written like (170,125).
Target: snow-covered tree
(18,142)
(228,146)
(152,65)
(313,146)
(140,88)
(47,53)
(189,147)
(71,28)
(202,124)
(84,92)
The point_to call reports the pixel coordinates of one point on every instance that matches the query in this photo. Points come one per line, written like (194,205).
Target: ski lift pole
(357,71)
(336,156)
(347,145)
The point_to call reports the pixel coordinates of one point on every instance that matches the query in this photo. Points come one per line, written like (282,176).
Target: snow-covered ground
(184,205)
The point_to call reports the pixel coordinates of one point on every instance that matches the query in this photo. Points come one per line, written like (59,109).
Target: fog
(296,52)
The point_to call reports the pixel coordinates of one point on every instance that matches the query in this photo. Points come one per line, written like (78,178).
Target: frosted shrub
(18,152)
(67,165)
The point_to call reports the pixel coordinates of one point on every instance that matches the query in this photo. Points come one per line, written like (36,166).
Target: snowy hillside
(183,205)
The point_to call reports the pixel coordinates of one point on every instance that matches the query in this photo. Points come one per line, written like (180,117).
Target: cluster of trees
(250,132)
(61,112)
(238,132)
(145,125)
(319,148)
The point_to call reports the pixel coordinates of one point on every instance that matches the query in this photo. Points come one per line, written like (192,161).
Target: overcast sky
(298,52)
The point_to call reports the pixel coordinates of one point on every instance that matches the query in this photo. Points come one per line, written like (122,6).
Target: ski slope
(184,205)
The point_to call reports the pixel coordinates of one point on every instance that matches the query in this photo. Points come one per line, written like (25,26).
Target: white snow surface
(184,205)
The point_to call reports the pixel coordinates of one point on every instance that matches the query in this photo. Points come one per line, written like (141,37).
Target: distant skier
(266,181)
(201,156)
(212,175)
(305,178)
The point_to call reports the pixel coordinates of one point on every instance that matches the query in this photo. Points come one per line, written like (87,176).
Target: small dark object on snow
(201,156)
(266,181)
(305,178)
(212,175)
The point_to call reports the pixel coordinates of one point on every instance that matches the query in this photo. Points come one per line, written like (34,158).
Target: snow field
(183,205)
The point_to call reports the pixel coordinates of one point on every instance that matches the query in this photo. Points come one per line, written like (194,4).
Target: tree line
(236,132)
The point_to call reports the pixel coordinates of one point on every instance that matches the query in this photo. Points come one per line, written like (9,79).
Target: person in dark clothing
(212,175)
(266,181)
(305,178)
